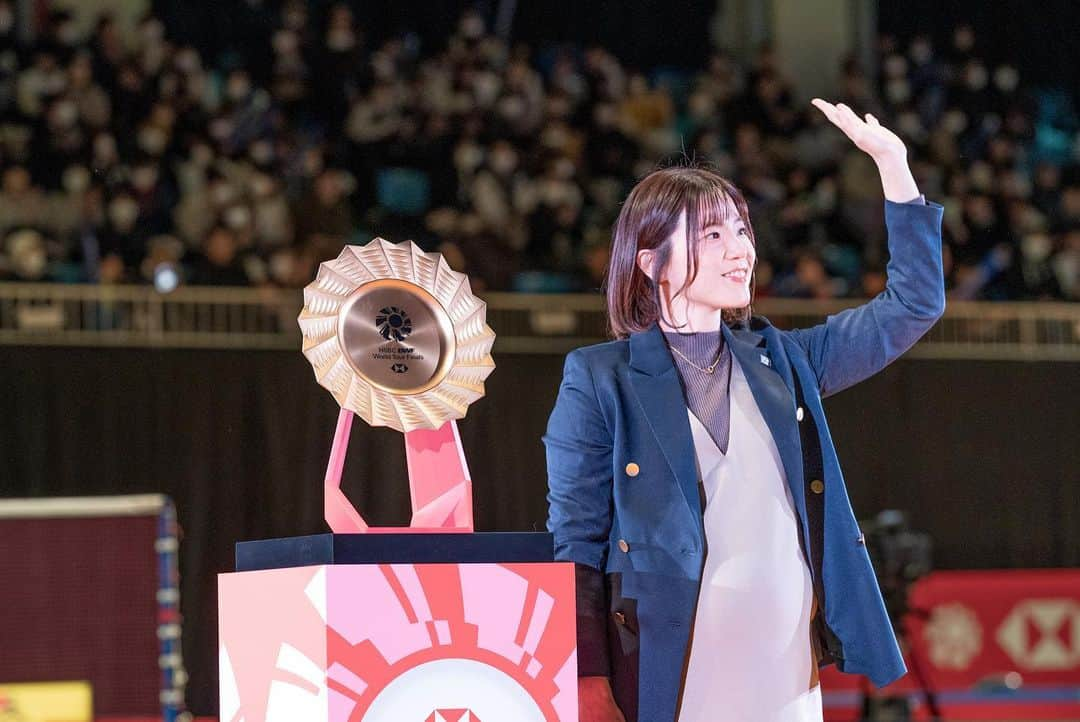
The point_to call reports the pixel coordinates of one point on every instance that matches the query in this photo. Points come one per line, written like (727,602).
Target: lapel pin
(765,360)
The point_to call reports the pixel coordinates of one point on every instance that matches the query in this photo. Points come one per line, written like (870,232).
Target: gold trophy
(399,339)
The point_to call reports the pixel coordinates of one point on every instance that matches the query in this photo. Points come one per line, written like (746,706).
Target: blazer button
(798,414)
(632,469)
(623,546)
(620,618)
(861,539)
(817,486)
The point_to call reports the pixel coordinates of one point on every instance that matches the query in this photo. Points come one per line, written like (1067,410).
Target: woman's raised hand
(868,135)
(881,144)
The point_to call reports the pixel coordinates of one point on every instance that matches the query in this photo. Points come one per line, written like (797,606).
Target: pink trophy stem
(439,482)
(339,512)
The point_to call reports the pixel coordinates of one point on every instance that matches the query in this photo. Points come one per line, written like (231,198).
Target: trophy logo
(393,323)
(399,339)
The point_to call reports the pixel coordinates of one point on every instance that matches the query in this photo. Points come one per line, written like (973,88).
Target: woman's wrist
(897,182)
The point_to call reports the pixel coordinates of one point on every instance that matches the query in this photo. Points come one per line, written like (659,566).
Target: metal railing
(252,318)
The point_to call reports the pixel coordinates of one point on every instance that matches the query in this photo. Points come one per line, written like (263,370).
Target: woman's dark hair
(647,219)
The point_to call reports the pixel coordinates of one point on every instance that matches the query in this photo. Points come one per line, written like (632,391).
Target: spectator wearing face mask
(324,219)
(219,264)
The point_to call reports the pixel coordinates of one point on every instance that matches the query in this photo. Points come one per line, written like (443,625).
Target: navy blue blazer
(623,492)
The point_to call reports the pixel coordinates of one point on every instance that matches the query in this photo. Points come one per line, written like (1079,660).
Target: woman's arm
(579,450)
(858,342)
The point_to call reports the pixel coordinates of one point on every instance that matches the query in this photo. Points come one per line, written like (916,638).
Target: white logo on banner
(953,635)
(1042,634)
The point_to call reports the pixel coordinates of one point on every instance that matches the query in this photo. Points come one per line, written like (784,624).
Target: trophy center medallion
(397,336)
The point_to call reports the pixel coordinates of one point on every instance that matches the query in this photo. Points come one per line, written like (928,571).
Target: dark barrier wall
(985,455)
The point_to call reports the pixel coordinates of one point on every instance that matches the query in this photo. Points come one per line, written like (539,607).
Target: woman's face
(725,262)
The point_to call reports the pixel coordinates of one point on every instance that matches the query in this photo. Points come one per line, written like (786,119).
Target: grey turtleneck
(706,394)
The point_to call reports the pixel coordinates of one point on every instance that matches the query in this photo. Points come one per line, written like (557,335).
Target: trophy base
(393,546)
(398,626)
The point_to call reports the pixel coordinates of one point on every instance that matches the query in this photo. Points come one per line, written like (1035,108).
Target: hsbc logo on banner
(1042,634)
(452,715)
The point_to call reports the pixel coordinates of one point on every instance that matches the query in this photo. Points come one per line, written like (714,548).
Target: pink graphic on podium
(381,642)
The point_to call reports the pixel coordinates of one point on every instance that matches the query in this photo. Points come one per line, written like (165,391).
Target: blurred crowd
(126,157)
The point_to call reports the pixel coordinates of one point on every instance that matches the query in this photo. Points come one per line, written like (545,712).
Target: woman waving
(692,477)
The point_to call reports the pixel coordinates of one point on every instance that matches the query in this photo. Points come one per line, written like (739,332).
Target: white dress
(750,656)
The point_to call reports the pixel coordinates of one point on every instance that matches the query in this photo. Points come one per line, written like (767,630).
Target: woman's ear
(645,259)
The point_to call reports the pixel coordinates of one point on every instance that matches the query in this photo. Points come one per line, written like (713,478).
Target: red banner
(990,644)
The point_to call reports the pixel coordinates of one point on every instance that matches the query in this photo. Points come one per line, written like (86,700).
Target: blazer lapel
(770,384)
(656,382)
